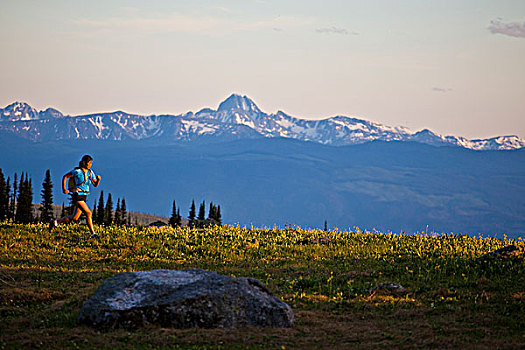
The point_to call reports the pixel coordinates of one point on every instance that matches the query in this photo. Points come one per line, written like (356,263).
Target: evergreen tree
(129,219)
(191,217)
(100,209)
(20,211)
(178,222)
(63,212)
(24,207)
(325,226)
(108,211)
(123,212)
(212,212)
(7,199)
(94,213)
(71,206)
(118,218)
(218,215)
(173,218)
(12,205)
(29,200)
(47,198)
(202,209)
(4,206)
(215,213)
(19,207)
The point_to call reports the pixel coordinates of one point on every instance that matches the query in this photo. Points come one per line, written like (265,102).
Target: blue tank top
(78,175)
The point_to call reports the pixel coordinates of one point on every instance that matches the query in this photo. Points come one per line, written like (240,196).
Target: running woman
(82,176)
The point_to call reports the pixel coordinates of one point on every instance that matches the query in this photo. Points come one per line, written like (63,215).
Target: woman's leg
(81,205)
(74,217)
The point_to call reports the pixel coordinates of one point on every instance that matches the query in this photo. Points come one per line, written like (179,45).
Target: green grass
(451,300)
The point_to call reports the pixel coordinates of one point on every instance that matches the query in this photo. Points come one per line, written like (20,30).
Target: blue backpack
(74,187)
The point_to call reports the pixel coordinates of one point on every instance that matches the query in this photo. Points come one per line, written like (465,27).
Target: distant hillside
(397,186)
(137,218)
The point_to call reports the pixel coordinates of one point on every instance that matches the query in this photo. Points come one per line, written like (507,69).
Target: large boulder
(508,252)
(184,299)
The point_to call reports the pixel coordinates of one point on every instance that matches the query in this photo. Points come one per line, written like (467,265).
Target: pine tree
(12,205)
(108,211)
(191,217)
(215,213)
(4,206)
(7,199)
(218,217)
(47,198)
(173,218)
(325,226)
(118,220)
(24,207)
(211,212)
(178,222)
(20,210)
(94,215)
(202,209)
(63,212)
(71,206)
(29,200)
(123,212)
(100,209)
(19,206)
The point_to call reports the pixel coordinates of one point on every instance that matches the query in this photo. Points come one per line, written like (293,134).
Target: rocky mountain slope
(238,117)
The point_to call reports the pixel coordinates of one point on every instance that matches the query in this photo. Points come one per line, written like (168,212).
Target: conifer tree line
(103,214)
(16,204)
(200,220)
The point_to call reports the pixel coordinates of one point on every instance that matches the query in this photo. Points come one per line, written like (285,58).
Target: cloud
(513,29)
(438,89)
(279,22)
(183,23)
(334,30)
(175,23)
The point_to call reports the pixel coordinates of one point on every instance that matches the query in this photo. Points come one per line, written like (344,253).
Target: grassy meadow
(451,300)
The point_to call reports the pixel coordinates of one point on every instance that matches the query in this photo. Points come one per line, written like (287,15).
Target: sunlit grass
(310,269)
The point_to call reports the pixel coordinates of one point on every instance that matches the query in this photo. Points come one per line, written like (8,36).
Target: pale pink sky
(456,67)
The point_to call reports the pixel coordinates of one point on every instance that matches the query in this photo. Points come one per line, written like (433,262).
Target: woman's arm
(64,182)
(96,181)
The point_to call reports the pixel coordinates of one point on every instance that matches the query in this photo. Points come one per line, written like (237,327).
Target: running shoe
(52,224)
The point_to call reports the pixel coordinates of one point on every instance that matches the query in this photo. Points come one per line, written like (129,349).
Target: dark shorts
(78,197)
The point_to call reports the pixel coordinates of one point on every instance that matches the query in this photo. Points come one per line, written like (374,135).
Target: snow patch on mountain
(19,111)
(197,127)
(98,124)
(237,117)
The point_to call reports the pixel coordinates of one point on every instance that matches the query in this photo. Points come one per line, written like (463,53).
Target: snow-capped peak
(51,113)
(19,111)
(237,117)
(238,103)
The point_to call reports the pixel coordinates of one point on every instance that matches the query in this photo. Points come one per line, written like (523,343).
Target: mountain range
(236,118)
(275,169)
